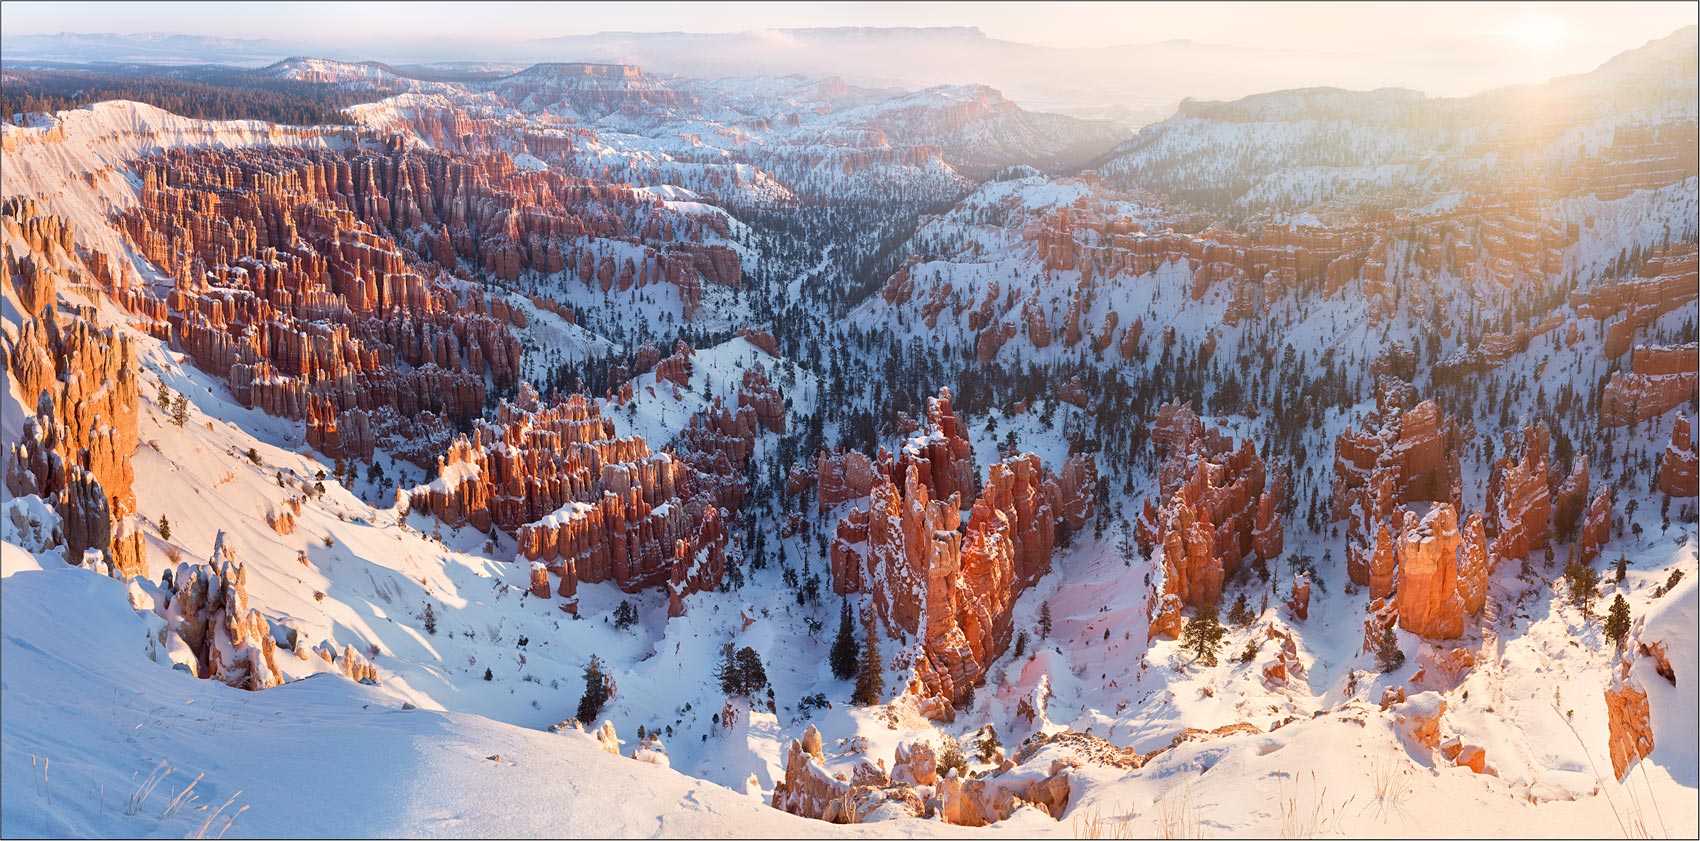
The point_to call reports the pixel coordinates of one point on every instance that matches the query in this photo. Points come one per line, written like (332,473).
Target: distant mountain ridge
(1133,84)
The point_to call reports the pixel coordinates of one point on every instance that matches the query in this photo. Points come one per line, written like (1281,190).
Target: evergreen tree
(1202,634)
(1584,584)
(844,645)
(1044,619)
(1617,621)
(951,758)
(625,615)
(870,677)
(1240,613)
(180,412)
(989,745)
(752,677)
(1622,568)
(489,675)
(595,692)
(1388,657)
(430,619)
(727,670)
(164,527)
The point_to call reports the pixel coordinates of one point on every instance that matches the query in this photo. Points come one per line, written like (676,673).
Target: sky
(1233,49)
(1587,30)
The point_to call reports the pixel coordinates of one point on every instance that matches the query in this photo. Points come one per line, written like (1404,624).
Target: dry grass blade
(1302,817)
(145,788)
(1179,815)
(1093,824)
(208,822)
(183,798)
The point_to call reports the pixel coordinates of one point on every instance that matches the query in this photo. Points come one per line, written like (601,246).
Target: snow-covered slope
(1293,149)
(1278,331)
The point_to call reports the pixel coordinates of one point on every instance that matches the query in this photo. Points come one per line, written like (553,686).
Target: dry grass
(1392,783)
(41,779)
(1302,815)
(1634,823)
(1179,814)
(182,799)
(207,824)
(1094,824)
(144,789)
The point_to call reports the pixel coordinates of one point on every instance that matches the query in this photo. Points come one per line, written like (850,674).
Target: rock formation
(76,449)
(1215,495)
(206,607)
(1628,722)
(1403,454)
(1596,527)
(1659,379)
(1679,470)
(1442,573)
(928,578)
(588,505)
(914,788)
(844,476)
(1519,498)
(1417,720)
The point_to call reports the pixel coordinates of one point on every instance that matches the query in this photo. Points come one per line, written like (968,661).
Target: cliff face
(953,589)
(1481,245)
(75,451)
(1666,282)
(1659,379)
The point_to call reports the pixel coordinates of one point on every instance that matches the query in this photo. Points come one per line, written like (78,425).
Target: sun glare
(1539,32)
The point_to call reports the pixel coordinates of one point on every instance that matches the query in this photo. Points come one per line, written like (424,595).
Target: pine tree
(870,677)
(951,758)
(1240,613)
(595,692)
(726,672)
(164,527)
(752,677)
(1388,657)
(180,412)
(1044,619)
(1584,585)
(1617,621)
(989,745)
(1202,634)
(430,619)
(625,615)
(1622,568)
(489,675)
(844,645)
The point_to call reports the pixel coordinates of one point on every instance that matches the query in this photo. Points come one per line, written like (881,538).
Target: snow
(100,718)
(435,749)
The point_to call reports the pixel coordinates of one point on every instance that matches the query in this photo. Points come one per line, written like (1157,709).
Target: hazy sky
(1586,30)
